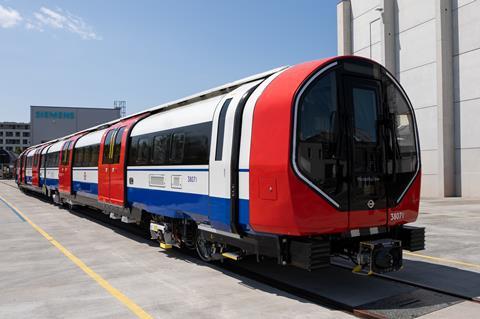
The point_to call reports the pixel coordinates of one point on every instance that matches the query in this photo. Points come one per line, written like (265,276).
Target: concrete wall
(466,73)
(436,57)
(48,122)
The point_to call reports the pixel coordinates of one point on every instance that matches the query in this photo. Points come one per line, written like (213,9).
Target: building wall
(48,122)
(435,55)
(466,74)
(14,136)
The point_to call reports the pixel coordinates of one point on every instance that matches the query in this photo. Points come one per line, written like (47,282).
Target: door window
(365,113)
(66,153)
(117,147)
(107,148)
(221,130)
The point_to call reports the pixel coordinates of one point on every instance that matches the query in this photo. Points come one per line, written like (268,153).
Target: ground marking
(13,210)
(136,309)
(442,259)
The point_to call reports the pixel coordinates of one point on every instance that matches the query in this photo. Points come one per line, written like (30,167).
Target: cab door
(367,149)
(224,183)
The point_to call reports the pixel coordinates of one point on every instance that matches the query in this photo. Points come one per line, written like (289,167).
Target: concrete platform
(452,232)
(37,280)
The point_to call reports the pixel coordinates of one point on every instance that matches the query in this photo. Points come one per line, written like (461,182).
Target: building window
(1,133)
(26,134)
(1,141)
(9,148)
(8,134)
(25,141)
(17,134)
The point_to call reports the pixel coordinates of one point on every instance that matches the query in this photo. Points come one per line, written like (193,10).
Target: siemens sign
(55,115)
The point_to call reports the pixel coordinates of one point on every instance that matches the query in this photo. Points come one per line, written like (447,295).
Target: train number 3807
(192,179)
(397,216)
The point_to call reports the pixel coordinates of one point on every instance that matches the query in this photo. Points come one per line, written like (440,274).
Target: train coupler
(162,233)
(379,256)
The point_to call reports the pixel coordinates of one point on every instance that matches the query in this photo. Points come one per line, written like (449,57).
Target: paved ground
(37,280)
(452,231)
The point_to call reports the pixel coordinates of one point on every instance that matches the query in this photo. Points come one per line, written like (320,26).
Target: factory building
(14,136)
(433,48)
(50,122)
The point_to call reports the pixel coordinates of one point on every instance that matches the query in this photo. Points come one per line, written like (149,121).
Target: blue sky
(89,53)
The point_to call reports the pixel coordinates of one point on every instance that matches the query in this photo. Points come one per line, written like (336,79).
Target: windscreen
(355,138)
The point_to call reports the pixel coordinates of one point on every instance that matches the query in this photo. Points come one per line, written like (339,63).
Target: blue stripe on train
(198,207)
(85,187)
(52,182)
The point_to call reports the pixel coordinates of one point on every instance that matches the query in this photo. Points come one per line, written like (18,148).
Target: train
(301,164)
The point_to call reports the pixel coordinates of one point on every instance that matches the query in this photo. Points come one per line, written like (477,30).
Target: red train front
(351,168)
(300,164)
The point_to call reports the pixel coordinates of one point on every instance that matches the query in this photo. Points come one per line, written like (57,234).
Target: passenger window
(93,151)
(197,145)
(118,146)
(56,159)
(86,156)
(78,156)
(132,154)
(143,156)
(161,145)
(221,130)
(178,147)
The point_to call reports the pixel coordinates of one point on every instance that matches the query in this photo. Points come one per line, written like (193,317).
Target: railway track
(377,296)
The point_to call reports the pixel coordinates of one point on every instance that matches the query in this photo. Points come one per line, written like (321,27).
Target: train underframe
(374,252)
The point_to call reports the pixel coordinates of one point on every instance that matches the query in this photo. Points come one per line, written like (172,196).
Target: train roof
(180,102)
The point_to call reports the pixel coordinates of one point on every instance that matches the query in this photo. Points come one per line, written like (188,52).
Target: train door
(367,152)
(117,168)
(111,162)
(224,156)
(43,164)
(36,168)
(65,168)
(104,166)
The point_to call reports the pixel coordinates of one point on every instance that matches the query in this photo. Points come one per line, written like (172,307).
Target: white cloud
(9,17)
(59,19)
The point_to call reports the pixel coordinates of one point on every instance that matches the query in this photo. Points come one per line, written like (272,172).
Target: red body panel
(65,170)
(409,205)
(296,209)
(111,177)
(35,168)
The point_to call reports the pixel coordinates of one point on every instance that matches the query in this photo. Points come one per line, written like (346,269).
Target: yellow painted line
(136,309)
(450,261)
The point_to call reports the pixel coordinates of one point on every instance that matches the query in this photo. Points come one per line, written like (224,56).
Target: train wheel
(206,250)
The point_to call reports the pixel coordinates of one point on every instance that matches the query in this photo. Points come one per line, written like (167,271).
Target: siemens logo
(55,115)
